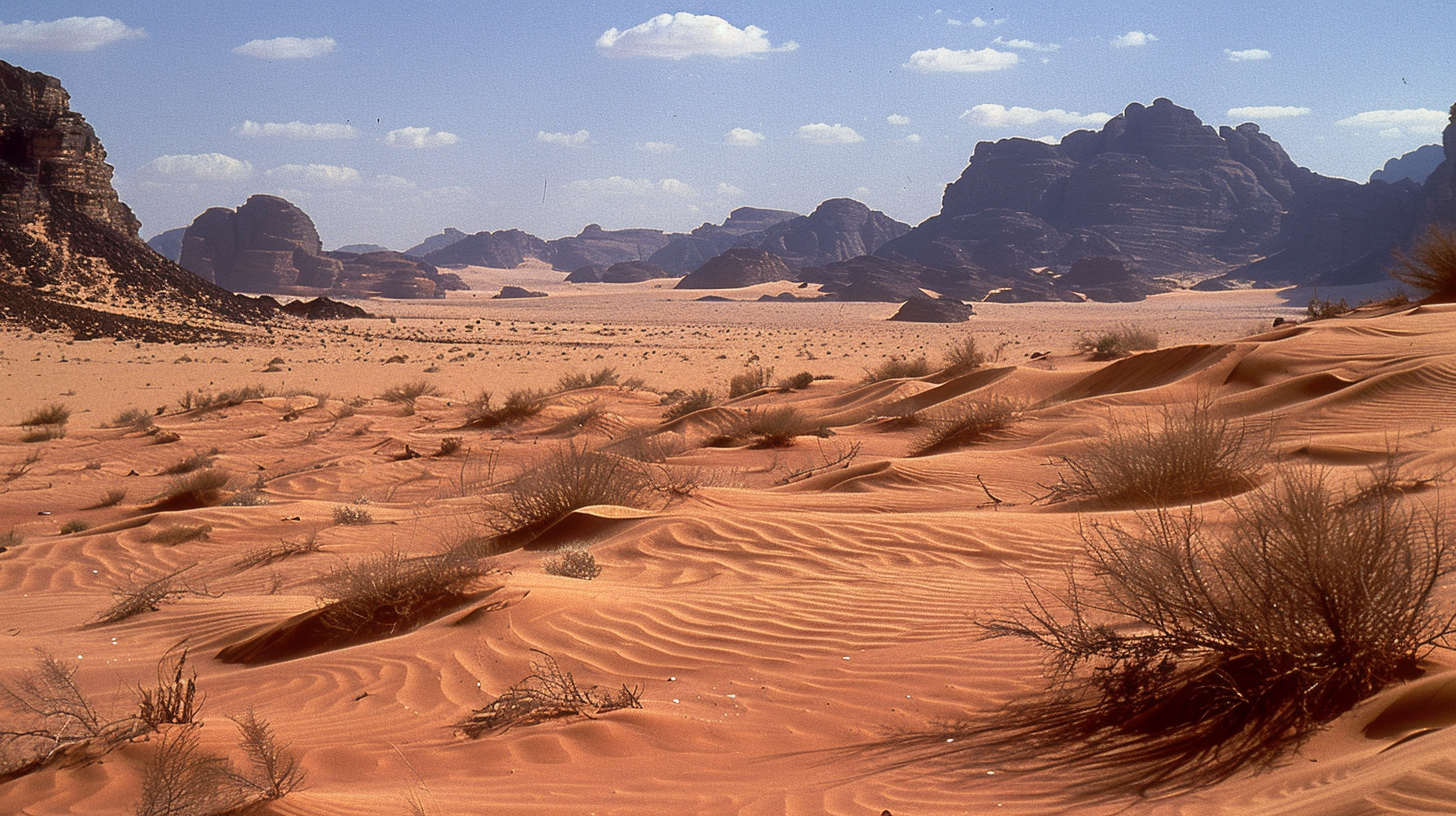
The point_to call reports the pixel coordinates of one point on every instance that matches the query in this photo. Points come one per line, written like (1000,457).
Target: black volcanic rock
(513,292)
(933,310)
(168,244)
(69,249)
(737,268)
(434,242)
(633,272)
(837,230)
(1417,165)
(322,308)
(503,249)
(605,247)
(266,245)
(743,227)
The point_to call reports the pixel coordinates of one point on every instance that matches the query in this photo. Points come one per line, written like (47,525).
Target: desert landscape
(1121,483)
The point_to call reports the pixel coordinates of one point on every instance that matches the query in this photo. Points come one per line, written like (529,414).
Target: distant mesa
(168,244)
(504,249)
(602,247)
(270,245)
(1415,166)
(360,249)
(513,292)
(933,310)
(449,236)
(737,268)
(70,256)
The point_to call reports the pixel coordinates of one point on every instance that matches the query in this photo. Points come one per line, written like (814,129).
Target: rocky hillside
(743,227)
(837,230)
(66,238)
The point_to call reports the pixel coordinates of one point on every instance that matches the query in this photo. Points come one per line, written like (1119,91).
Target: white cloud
(287,48)
(913,138)
(317,175)
(1392,133)
(576,139)
(296,130)
(418,138)
(1000,116)
(1027,45)
(388,182)
(728,190)
(1416,121)
(822,134)
(67,34)
(682,35)
(618,185)
(947,61)
(657,147)
(200,167)
(1133,39)
(1266,112)
(743,137)
(1247,55)
(897,119)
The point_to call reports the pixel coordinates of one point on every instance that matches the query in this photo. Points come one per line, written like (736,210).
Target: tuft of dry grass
(967,423)
(352,514)
(406,393)
(684,403)
(173,700)
(548,693)
(1192,652)
(606,375)
(578,420)
(53,414)
(519,405)
(798,382)
(285,548)
(204,400)
(962,356)
(1193,452)
(749,380)
(896,368)
(1119,342)
(567,478)
(387,593)
(197,461)
(778,427)
(203,488)
(179,534)
(75,526)
(1431,266)
(572,562)
(110,498)
(133,420)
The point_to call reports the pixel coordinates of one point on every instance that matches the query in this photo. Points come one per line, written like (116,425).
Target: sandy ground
(772,621)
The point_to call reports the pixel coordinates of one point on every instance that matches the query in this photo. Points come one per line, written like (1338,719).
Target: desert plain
(778,610)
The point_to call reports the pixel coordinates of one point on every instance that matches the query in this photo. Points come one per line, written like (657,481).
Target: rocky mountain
(595,245)
(1436,206)
(434,242)
(837,230)
(503,249)
(1413,166)
(389,274)
(1156,189)
(737,268)
(360,249)
(70,255)
(743,227)
(168,244)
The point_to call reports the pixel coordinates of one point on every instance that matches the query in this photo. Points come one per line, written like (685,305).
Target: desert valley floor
(777,606)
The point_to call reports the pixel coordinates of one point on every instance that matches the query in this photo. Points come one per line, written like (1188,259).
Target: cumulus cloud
(657,147)
(198,167)
(418,138)
(393,183)
(949,61)
(682,35)
(618,185)
(743,137)
(913,138)
(1247,54)
(1415,122)
(576,139)
(1253,112)
(66,34)
(314,175)
(287,48)
(822,134)
(1000,116)
(1133,39)
(897,119)
(1027,45)
(728,190)
(296,130)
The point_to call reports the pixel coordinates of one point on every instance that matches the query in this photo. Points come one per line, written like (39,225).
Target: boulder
(737,268)
(633,272)
(591,273)
(322,308)
(933,310)
(512,292)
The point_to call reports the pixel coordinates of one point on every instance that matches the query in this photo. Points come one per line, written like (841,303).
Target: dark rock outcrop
(837,230)
(743,227)
(503,249)
(266,245)
(933,310)
(870,279)
(360,249)
(1416,165)
(633,272)
(390,274)
(595,245)
(1107,280)
(512,292)
(591,273)
(737,268)
(70,256)
(1437,204)
(449,236)
(322,308)
(168,244)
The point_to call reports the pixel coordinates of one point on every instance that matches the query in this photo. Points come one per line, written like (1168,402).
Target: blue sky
(387,122)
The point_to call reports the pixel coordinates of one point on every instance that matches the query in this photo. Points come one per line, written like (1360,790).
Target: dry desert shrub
(549,693)
(405,394)
(1431,266)
(391,592)
(606,375)
(449,446)
(572,562)
(174,698)
(204,400)
(1119,342)
(644,445)
(966,423)
(798,382)
(962,356)
(53,414)
(578,420)
(147,596)
(519,405)
(21,466)
(183,780)
(1190,652)
(749,380)
(285,548)
(176,534)
(1323,309)
(778,427)
(686,402)
(1193,451)
(895,368)
(110,498)
(567,478)
(197,461)
(202,488)
(133,420)
(75,526)
(352,514)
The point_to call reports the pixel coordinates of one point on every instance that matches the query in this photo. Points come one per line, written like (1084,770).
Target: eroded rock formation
(737,268)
